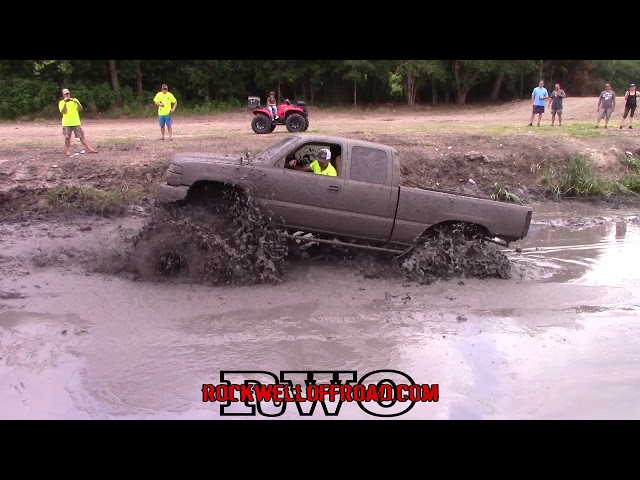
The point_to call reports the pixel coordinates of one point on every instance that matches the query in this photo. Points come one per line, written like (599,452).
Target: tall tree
(416,73)
(356,72)
(138,75)
(468,73)
(115,85)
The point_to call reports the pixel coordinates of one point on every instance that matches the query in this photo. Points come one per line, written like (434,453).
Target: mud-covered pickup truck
(364,204)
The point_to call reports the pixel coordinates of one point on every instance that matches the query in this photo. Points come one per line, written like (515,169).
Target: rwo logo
(381,393)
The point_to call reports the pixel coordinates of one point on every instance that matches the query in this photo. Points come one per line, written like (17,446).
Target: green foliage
(578,179)
(619,73)
(25,96)
(633,163)
(501,193)
(630,183)
(395,85)
(32,87)
(128,96)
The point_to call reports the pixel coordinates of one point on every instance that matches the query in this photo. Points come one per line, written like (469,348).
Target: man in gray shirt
(555,104)
(606,105)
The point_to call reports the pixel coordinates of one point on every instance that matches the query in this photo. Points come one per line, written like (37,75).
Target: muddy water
(560,339)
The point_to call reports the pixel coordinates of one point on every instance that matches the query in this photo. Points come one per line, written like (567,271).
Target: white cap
(324,154)
(65,90)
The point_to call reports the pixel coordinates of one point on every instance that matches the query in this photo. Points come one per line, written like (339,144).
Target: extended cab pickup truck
(365,203)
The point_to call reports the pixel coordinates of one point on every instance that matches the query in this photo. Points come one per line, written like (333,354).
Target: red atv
(294,117)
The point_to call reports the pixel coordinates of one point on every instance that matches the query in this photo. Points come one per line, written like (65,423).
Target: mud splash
(231,243)
(452,254)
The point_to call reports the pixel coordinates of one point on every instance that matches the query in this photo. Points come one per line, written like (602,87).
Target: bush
(27,96)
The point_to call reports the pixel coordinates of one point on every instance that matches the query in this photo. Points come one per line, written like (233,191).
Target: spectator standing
(630,103)
(606,105)
(555,104)
(538,96)
(70,109)
(166,103)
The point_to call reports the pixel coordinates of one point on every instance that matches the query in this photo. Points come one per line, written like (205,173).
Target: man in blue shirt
(538,96)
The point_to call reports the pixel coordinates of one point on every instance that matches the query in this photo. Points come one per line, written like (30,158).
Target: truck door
(370,193)
(304,200)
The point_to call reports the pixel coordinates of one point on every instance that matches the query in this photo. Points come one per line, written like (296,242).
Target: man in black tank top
(630,102)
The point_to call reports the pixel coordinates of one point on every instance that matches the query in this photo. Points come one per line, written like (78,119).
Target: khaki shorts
(605,113)
(558,111)
(67,131)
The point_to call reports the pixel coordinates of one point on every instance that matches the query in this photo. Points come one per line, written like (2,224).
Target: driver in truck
(321,165)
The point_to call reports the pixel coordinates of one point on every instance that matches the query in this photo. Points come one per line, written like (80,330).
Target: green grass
(500,192)
(91,200)
(501,131)
(630,183)
(633,163)
(578,179)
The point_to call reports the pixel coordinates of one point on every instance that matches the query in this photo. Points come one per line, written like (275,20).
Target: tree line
(126,87)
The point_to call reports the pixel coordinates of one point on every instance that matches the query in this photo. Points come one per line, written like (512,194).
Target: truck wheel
(273,127)
(295,123)
(165,253)
(261,124)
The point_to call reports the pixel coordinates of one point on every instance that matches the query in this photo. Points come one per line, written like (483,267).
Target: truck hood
(187,157)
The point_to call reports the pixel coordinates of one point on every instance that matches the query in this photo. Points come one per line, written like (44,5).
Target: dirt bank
(441,147)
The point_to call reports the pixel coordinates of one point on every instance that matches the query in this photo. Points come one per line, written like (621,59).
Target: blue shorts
(165,120)
(538,109)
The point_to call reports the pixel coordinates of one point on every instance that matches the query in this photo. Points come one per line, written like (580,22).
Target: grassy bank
(91,200)
(577,178)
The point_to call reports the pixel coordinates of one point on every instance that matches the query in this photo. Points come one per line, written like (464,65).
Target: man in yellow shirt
(70,109)
(321,165)
(166,103)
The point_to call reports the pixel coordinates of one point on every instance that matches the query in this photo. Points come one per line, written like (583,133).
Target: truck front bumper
(170,193)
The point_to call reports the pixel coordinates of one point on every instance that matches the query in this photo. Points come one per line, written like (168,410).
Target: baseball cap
(164,85)
(65,90)
(324,154)
(632,84)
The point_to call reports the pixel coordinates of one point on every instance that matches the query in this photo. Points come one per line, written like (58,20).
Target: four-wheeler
(294,117)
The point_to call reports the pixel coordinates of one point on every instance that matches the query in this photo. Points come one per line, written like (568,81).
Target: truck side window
(369,165)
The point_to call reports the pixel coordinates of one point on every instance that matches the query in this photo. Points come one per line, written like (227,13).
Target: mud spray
(237,243)
(232,242)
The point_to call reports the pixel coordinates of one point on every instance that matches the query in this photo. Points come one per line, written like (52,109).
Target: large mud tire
(261,124)
(295,123)
(306,125)
(166,253)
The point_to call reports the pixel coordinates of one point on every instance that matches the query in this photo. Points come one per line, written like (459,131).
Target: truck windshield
(269,152)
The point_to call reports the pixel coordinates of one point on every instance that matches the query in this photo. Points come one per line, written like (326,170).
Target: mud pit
(99,343)
(77,321)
